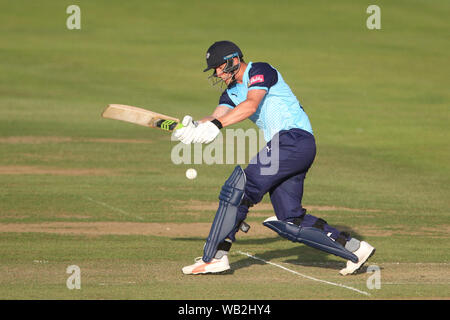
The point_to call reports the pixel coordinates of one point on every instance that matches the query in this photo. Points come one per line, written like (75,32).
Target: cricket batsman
(257,91)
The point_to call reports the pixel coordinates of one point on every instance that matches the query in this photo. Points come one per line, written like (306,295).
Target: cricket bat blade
(140,116)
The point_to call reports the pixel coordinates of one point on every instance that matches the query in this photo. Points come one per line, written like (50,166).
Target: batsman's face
(226,77)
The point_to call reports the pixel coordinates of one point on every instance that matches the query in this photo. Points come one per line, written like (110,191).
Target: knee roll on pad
(310,236)
(224,222)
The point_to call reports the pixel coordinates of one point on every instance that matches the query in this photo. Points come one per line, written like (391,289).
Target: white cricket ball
(191,173)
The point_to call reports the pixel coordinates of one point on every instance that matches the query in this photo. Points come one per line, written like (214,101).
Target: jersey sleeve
(262,76)
(226,101)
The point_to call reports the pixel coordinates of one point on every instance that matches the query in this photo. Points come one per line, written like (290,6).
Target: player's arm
(207,131)
(220,111)
(243,110)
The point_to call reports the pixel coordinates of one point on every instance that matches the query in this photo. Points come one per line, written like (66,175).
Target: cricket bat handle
(169,125)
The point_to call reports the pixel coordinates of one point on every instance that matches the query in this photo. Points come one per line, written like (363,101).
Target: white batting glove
(206,131)
(186,133)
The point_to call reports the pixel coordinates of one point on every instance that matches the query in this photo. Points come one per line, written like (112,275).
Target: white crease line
(378,263)
(416,263)
(116,284)
(112,208)
(304,276)
(415,283)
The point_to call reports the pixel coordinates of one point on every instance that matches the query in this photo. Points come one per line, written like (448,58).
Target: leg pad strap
(310,236)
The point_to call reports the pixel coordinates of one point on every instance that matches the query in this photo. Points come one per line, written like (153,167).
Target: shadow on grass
(305,255)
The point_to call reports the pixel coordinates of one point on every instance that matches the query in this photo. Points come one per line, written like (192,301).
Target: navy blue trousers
(280,169)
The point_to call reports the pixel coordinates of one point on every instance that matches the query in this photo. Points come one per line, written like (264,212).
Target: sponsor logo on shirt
(256,79)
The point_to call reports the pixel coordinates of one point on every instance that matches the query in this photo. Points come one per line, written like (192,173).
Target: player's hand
(205,132)
(186,133)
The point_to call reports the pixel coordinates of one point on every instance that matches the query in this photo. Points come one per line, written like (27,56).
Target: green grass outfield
(104,195)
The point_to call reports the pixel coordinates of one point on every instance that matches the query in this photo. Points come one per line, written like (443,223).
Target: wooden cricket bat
(141,117)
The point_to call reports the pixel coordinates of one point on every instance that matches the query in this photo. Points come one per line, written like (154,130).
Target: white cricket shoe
(364,252)
(201,267)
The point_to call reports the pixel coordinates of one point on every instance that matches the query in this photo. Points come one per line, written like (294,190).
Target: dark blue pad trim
(310,236)
(225,220)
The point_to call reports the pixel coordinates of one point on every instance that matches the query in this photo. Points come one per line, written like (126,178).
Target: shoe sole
(210,271)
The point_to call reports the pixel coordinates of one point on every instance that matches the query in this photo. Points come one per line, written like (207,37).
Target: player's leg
(293,223)
(215,247)
(227,220)
(286,200)
(291,152)
(294,153)
(245,188)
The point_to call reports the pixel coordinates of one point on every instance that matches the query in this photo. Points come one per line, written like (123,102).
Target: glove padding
(205,132)
(186,133)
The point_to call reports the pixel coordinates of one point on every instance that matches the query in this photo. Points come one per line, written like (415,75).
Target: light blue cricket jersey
(279,109)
